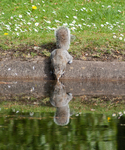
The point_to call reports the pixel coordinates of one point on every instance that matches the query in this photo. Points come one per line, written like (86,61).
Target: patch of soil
(25,52)
(103,55)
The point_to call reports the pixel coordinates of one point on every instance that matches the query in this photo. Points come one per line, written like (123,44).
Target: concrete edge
(92,70)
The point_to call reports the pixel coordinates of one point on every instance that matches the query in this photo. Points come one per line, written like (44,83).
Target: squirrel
(60,56)
(59,98)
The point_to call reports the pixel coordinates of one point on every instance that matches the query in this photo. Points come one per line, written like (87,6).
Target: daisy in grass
(114,36)
(36,24)
(20,16)
(120,38)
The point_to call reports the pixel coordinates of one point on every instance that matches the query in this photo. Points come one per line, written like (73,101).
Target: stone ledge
(95,70)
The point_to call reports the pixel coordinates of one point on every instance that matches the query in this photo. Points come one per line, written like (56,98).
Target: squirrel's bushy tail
(62,38)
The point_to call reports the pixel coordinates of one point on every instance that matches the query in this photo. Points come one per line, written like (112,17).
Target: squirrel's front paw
(70,62)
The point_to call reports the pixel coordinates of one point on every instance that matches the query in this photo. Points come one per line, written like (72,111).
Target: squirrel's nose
(58,76)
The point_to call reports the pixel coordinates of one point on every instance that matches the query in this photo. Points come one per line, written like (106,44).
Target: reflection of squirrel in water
(60,99)
(60,56)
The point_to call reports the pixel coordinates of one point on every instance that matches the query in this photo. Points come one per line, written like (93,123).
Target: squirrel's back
(62,38)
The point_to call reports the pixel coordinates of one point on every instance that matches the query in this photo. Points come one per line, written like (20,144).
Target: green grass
(78,105)
(99,26)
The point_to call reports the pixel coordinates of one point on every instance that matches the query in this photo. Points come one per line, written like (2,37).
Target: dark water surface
(84,131)
(66,122)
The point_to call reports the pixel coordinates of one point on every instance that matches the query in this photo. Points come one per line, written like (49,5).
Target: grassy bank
(112,106)
(99,28)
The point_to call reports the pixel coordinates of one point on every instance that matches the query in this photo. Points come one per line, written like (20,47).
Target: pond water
(46,115)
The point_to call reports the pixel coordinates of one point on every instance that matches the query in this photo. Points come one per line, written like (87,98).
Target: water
(46,115)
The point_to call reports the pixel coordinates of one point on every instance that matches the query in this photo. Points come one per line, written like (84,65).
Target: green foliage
(96,21)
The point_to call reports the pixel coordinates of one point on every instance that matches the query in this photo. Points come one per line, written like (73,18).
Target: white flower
(36,17)
(88,25)
(38,3)
(119,11)
(120,38)
(114,36)
(71,24)
(28,13)
(32,19)
(44,10)
(65,24)
(73,28)
(54,12)
(75,17)
(90,9)
(20,16)
(50,28)
(109,6)
(82,19)
(74,22)
(35,30)
(23,20)
(107,23)
(43,2)
(17,34)
(102,25)
(2,13)
(121,34)
(67,16)
(29,23)
(84,8)
(102,5)
(120,113)
(48,21)
(80,25)
(94,24)
(57,21)
(11,17)
(113,115)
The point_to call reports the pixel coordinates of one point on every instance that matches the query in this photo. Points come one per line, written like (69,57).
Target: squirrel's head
(58,74)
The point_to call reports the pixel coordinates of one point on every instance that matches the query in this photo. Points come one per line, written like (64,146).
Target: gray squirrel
(60,99)
(60,56)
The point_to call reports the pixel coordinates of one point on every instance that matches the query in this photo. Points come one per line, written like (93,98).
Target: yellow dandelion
(5,33)
(108,119)
(34,7)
